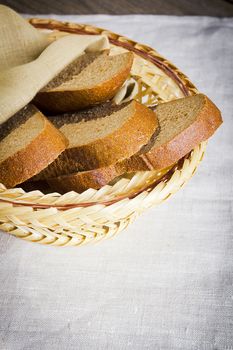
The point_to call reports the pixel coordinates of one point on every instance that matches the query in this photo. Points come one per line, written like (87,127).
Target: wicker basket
(75,219)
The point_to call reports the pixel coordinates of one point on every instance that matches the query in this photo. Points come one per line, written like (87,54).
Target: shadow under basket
(75,219)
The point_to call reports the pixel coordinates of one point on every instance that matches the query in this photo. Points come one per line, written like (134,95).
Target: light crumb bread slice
(101,136)
(184,123)
(28,143)
(92,78)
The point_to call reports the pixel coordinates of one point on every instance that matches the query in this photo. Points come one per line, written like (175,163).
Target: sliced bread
(92,78)
(184,123)
(28,143)
(101,136)
(83,180)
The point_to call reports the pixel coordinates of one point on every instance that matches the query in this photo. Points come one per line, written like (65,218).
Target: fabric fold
(20,83)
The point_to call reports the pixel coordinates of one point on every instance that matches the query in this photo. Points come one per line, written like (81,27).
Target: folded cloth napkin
(20,43)
(29,60)
(20,76)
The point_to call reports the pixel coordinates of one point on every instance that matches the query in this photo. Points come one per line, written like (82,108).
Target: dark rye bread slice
(101,136)
(28,143)
(184,123)
(92,78)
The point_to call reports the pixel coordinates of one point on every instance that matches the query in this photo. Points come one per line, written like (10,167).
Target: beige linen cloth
(29,60)
(20,76)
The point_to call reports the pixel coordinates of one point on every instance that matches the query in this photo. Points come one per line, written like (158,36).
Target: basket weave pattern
(75,219)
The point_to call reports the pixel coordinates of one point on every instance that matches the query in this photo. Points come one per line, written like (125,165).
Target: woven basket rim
(145,52)
(166,177)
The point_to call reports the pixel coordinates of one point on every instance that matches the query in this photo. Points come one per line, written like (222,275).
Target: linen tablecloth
(167,281)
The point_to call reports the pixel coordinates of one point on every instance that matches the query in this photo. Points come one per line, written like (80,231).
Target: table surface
(167,281)
(168,7)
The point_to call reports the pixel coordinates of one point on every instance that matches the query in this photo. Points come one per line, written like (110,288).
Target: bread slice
(92,78)
(28,143)
(184,123)
(101,136)
(83,180)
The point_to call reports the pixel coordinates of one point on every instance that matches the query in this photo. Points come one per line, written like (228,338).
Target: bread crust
(208,120)
(69,100)
(34,157)
(158,158)
(81,181)
(120,144)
